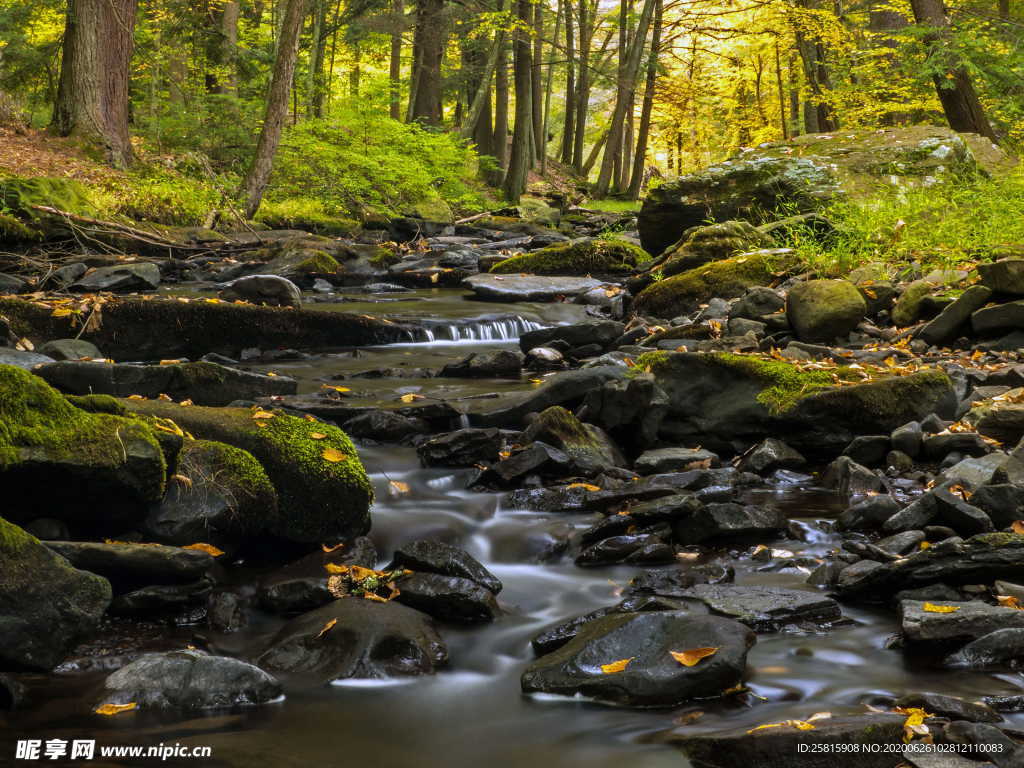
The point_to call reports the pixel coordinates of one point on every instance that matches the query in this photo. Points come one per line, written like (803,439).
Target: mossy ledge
(319,500)
(578,257)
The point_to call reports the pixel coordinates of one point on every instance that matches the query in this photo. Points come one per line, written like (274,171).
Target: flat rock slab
(138,564)
(527,287)
(766,608)
(921,623)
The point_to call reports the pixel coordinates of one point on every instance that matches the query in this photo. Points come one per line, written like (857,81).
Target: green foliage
(305,213)
(940,225)
(152,193)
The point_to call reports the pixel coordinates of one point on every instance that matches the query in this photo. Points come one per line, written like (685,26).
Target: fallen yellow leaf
(584,486)
(932,608)
(616,666)
(914,724)
(186,403)
(207,548)
(336,547)
(410,398)
(334,388)
(259,413)
(333,455)
(335,568)
(116,709)
(1018,526)
(693,656)
(327,627)
(170,362)
(398,487)
(1009,601)
(62,312)
(800,725)
(317,435)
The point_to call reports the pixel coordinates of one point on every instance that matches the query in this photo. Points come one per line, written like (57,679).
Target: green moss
(784,383)
(997,539)
(320,262)
(578,257)
(13,230)
(908,305)
(384,258)
(98,404)
(237,474)
(319,499)
(725,279)
(18,195)
(13,539)
(884,402)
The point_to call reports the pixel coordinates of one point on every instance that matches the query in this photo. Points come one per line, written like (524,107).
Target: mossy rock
(13,230)
(18,195)
(588,446)
(907,309)
(587,256)
(713,242)
(430,209)
(725,279)
(46,606)
(318,499)
(54,455)
(824,310)
(323,224)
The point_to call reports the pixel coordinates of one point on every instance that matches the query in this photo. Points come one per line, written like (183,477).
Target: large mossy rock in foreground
(163,328)
(587,256)
(46,606)
(725,279)
(57,460)
(728,402)
(322,489)
(807,173)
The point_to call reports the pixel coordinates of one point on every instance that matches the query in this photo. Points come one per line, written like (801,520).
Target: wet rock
(989,741)
(368,640)
(446,560)
(727,520)
(1000,317)
(970,621)
(12,284)
(850,478)
(538,457)
(462,448)
(652,678)
(385,426)
(120,279)
(638,549)
(589,448)
(770,455)
(901,543)
(188,681)
(1003,276)
(225,612)
(907,439)
(789,747)
(997,649)
(567,389)
(185,603)
(544,359)
(956,316)
(766,608)
(203,383)
(642,516)
(555,637)
(271,290)
(972,473)
(46,605)
(1003,503)
(22,359)
(871,512)
(489,287)
(302,585)
(70,349)
(954,510)
(824,310)
(448,598)
(602,332)
(950,707)
(661,460)
(502,364)
(127,566)
(677,582)
(869,450)
(631,410)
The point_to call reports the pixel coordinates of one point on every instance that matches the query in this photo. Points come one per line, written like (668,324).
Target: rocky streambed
(516,492)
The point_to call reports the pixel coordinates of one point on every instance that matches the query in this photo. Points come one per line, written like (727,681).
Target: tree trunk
(626,80)
(536,84)
(1004,10)
(222,49)
(430,36)
(954,87)
(782,92)
(644,132)
(480,106)
(568,132)
(818,115)
(547,88)
(395,64)
(882,20)
(522,145)
(586,36)
(318,43)
(500,143)
(92,96)
(258,177)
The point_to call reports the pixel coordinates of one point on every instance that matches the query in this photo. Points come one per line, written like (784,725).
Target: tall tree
(644,131)
(960,101)
(256,180)
(521,154)
(587,27)
(428,46)
(92,95)
(568,128)
(395,62)
(500,142)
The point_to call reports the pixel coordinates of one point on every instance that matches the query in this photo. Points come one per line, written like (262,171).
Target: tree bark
(818,115)
(568,132)
(586,37)
(536,85)
(644,131)
(430,36)
(959,100)
(318,42)
(395,64)
(882,20)
(222,49)
(480,106)
(500,143)
(547,88)
(626,80)
(258,177)
(92,95)
(520,157)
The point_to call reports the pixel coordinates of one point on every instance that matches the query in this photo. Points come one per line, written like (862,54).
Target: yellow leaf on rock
(327,627)
(116,709)
(186,403)
(398,487)
(170,362)
(61,312)
(136,397)
(207,548)
(693,656)
(336,547)
(1017,526)
(914,724)
(584,486)
(333,455)
(335,568)
(616,666)
(317,435)
(932,608)
(259,413)
(410,398)
(334,388)
(1009,601)
(800,725)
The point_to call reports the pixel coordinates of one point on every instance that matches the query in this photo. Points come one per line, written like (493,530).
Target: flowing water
(473,714)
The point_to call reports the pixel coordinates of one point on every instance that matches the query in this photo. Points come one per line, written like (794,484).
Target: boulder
(446,560)
(727,520)
(712,242)
(602,332)
(1000,648)
(71,349)
(998,318)
(128,566)
(920,622)
(824,310)
(956,316)
(322,489)
(203,383)
(651,677)
(122,278)
(661,460)
(1003,276)
(271,290)
(489,287)
(448,598)
(568,389)
(188,681)
(632,549)
(583,257)
(462,448)
(367,640)
(769,455)
(46,605)
(501,364)
(302,585)
(589,448)
(766,608)
(910,305)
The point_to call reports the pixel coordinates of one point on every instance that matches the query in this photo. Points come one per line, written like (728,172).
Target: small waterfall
(508,328)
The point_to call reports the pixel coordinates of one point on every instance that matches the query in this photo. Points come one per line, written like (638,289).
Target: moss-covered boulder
(591,450)
(57,460)
(586,256)
(808,172)
(713,242)
(322,489)
(724,279)
(46,606)
(22,221)
(824,310)
(219,494)
(163,328)
(728,401)
(909,305)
